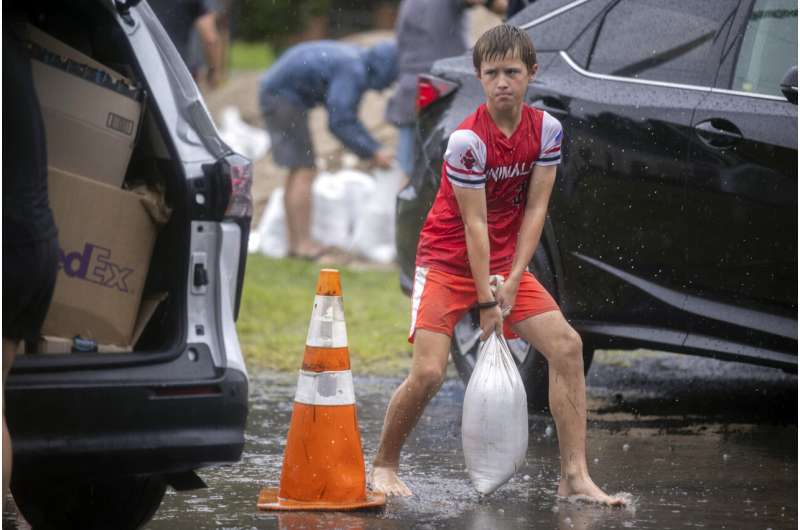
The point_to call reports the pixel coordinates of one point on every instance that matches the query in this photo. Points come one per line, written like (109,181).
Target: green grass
(276,307)
(251,55)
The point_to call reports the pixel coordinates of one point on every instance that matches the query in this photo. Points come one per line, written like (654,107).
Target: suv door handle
(718,132)
(552,105)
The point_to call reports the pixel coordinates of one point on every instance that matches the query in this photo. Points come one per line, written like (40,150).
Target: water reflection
(567,515)
(725,464)
(674,464)
(323,521)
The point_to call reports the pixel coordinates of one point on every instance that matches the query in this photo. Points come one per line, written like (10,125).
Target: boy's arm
(539,190)
(472,205)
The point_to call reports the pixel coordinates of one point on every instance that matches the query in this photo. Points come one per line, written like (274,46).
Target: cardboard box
(91,113)
(48,344)
(106,237)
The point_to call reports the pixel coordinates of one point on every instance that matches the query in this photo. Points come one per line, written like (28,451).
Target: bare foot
(385,480)
(585,490)
(308,251)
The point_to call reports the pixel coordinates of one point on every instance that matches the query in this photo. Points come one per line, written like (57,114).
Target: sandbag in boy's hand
(494,422)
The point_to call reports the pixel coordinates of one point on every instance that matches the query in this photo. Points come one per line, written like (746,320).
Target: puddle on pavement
(696,453)
(716,464)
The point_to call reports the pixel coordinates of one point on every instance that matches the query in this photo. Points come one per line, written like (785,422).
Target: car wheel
(124,503)
(532,364)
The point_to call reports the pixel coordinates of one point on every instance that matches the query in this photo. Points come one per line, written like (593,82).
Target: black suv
(673,223)
(98,436)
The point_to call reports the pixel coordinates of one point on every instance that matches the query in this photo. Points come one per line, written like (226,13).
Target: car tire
(531,363)
(124,503)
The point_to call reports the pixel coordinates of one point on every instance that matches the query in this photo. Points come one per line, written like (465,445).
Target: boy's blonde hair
(501,40)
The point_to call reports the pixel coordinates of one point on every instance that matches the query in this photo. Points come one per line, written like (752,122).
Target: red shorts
(441,299)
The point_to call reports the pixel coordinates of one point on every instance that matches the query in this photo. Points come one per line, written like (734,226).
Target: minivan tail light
(241,175)
(240,172)
(431,89)
(225,193)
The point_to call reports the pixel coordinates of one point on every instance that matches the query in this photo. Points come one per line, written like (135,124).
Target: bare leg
(297,203)
(561,345)
(428,367)
(9,352)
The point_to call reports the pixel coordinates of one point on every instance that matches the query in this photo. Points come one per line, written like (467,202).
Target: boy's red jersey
(479,156)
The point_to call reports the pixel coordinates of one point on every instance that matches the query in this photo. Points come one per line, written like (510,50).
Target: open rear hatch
(118,192)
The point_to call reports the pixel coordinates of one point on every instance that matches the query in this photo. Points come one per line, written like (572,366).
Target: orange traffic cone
(323,465)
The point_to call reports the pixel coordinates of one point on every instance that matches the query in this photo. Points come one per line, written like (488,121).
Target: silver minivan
(97,437)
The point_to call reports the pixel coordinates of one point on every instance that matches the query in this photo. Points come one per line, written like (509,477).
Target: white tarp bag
(252,142)
(270,237)
(337,200)
(330,223)
(373,236)
(494,421)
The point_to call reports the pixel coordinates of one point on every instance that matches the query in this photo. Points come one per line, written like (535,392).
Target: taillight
(431,89)
(240,172)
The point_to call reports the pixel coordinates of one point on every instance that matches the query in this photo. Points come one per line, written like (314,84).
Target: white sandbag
(360,189)
(337,201)
(270,237)
(373,236)
(332,214)
(242,137)
(494,421)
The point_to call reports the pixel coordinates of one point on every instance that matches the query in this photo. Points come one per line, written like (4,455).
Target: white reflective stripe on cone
(325,388)
(327,328)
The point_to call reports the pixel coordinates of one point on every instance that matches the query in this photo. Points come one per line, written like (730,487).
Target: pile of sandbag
(252,142)
(351,210)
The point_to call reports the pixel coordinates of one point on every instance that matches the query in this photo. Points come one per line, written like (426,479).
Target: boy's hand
(491,321)
(506,295)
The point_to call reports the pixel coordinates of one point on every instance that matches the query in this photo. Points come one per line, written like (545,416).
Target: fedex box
(91,113)
(106,239)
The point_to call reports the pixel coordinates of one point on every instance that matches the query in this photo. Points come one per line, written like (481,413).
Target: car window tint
(769,47)
(662,40)
(581,49)
(558,32)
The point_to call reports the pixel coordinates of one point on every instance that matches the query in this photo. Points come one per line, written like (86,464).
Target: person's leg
(561,345)
(9,351)
(292,148)
(405,149)
(297,202)
(428,367)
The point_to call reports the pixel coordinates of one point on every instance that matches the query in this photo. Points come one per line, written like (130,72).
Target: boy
(498,172)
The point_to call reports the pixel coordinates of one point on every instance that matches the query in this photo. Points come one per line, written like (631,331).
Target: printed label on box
(94,264)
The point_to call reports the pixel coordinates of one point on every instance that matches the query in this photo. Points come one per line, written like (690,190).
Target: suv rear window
(660,40)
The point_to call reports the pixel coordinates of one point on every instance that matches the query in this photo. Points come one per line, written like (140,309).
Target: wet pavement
(697,444)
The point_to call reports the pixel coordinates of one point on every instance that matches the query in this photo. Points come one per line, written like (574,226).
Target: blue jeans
(405,147)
